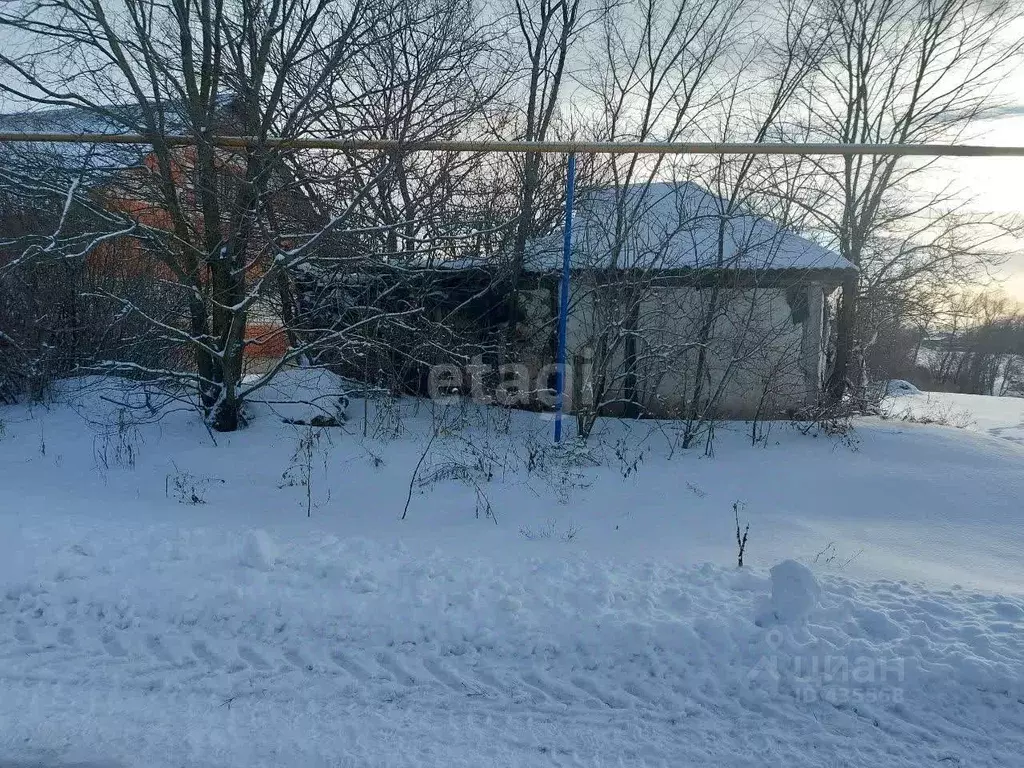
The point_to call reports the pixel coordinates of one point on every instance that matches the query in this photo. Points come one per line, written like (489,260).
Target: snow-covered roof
(95,159)
(674,226)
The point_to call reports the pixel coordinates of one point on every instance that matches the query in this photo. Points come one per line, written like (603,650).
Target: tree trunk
(524,230)
(695,412)
(229,330)
(199,330)
(845,321)
(631,409)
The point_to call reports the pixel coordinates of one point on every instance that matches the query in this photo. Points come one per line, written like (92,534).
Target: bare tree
(547,34)
(671,70)
(433,72)
(977,346)
(895,71)
(223,225)
(659,67)
(909,283)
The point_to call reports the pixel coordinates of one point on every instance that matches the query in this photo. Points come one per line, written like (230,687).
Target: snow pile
(897,387)
(302,396)
(795,591)
(258,550)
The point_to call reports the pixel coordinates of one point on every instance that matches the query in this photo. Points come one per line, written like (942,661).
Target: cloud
(1009,110)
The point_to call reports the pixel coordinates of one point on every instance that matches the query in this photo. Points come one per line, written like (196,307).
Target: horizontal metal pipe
(552,147)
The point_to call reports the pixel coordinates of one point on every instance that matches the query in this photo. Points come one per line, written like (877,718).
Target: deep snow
(584,611)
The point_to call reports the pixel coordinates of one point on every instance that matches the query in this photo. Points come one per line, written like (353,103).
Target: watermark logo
(512,384)
(834,678)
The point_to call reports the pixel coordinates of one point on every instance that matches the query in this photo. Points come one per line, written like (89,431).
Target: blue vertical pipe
(563,306)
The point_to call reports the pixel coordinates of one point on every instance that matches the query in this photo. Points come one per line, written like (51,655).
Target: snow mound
(795,591)
(896,387)
(302,396)
(258,550)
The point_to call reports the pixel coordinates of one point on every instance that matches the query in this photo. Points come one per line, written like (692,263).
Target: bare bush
(311,447)
(188,488)
(741,538)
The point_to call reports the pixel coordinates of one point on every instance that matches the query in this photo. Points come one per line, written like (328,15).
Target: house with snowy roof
(681,302)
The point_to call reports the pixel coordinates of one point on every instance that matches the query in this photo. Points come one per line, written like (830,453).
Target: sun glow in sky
(996,185)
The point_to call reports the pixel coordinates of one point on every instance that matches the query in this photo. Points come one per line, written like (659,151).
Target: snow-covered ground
(166,601)
(997,416)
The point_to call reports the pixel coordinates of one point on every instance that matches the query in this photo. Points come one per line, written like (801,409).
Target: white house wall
(757,357)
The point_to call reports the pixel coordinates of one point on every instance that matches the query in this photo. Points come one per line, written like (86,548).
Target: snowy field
(166,601)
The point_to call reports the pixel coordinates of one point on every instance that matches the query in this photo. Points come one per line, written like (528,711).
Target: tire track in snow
(498,695)
(252,658)
(607,698)
(549,689)
(355,669)
(191,661)
(391,665)
(449,679)
(297,660)
(112,645)
(227,667)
